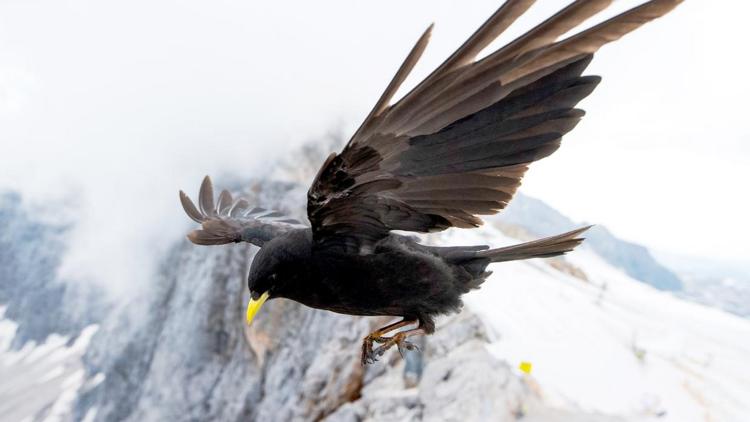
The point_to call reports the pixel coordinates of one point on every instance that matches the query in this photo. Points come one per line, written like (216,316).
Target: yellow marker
(254,306)
(525,367)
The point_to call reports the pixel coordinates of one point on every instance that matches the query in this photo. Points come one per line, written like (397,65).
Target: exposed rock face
(461,382)
(30,254)
(183,353)
(181,350)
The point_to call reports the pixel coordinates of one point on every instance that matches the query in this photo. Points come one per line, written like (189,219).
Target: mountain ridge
(636,260)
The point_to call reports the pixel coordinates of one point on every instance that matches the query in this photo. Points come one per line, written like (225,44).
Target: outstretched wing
(458,144)
(228,220)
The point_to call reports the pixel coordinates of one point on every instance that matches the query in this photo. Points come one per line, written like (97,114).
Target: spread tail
(541,248)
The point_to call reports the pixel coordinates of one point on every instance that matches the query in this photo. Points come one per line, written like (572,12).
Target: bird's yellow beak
(254,306)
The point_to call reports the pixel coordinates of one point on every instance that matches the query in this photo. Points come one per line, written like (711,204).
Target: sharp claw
(406,345)
(401,351)
(370,355)
(366,351)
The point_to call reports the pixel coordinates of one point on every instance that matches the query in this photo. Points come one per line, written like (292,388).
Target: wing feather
(398,79)
(457,145)
(443,75)
(231,221)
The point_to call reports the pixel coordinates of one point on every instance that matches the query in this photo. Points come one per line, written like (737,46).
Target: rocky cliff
(181,352)
(178,350)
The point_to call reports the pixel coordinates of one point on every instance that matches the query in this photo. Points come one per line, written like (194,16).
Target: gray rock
(30,254)
(461,382)
(470,385)
(180,351)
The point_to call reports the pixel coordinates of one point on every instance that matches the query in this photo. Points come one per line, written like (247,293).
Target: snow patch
(613,344)
(41,381)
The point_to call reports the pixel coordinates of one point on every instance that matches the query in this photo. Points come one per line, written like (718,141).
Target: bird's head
(277,265)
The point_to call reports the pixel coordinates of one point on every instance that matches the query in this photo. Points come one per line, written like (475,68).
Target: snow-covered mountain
(45,323)
(603,344)
(539,219)
(721,284)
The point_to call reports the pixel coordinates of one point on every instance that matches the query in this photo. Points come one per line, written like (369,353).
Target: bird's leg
(399,339)
(377,336)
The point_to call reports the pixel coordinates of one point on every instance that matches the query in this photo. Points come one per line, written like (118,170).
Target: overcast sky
(114,106)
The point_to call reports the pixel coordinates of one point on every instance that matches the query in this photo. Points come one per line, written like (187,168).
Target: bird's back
(398,277)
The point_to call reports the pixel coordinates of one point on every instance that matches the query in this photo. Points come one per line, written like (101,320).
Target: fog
(108,108)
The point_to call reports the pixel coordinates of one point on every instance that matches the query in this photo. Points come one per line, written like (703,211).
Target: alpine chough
(453,148)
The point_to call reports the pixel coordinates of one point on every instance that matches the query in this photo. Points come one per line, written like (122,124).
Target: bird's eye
(273,276)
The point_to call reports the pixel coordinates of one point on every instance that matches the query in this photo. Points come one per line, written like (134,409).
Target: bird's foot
(370,355)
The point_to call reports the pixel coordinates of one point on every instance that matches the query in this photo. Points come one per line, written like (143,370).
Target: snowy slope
(41,381)
(612,344)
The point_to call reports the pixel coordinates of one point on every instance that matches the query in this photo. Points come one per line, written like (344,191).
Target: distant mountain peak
(540,219)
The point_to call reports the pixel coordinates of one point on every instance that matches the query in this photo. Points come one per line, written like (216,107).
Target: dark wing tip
(574,234)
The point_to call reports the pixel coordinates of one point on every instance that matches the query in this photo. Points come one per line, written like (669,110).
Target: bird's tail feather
(541,248)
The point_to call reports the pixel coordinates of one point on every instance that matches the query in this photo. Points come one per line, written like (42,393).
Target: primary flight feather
(452,149)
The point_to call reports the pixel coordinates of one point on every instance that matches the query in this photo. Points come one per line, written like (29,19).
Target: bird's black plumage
(399,278)
(452,149)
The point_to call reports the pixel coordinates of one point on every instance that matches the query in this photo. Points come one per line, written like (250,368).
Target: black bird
(453,148)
